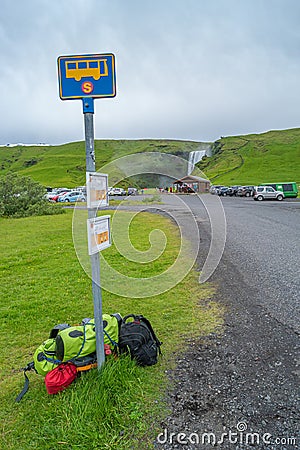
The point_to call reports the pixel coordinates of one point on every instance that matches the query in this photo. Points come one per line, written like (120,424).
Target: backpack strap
(114,343)
(117,316)
(26,383)
(83,342)
(134,316)
(146,321)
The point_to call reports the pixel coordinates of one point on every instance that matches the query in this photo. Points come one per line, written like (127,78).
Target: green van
(288,188)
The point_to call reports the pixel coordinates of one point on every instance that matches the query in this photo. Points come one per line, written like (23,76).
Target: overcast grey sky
(186,69)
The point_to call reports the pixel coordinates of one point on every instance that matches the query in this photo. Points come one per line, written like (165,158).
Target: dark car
(132,191)
(224,191)
(235,189)
(246,191)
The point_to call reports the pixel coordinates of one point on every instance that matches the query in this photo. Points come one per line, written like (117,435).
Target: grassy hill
(64,165)
(249,159)
(255,158)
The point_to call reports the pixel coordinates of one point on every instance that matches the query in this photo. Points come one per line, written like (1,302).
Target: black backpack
(139,339)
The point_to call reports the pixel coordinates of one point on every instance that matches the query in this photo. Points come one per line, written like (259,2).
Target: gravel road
(240,389)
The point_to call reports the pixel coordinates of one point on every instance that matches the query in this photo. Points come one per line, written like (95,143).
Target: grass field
(42,284)
(255,158)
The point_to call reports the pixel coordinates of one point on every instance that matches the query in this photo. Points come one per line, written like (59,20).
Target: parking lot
(266,191)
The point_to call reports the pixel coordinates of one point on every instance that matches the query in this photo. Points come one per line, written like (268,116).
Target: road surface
(239,389)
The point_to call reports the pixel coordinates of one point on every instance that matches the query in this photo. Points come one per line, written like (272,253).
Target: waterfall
(197,155)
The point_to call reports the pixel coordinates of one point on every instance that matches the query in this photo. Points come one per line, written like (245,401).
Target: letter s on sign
(87,87)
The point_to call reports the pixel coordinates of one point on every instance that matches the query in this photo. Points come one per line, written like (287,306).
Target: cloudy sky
(186,69)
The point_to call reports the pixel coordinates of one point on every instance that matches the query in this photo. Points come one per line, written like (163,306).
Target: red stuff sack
(60,378)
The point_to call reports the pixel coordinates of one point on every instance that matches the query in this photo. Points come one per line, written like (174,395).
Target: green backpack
(80,341)
(44,357)
(76,344)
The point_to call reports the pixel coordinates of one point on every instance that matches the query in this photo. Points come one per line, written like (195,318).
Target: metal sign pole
(87,77)
(88,111)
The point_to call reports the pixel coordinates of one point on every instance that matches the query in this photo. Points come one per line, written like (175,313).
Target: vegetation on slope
(248,159)
(255,158)
(64,165)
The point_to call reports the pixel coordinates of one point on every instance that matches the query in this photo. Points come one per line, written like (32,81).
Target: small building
(190,184)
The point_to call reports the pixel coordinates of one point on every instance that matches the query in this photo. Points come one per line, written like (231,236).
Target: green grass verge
(42,283)
(149,199)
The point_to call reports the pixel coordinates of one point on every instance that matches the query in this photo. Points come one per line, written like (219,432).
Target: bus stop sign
(82,76)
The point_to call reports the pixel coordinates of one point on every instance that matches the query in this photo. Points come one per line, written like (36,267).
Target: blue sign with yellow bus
(82,76)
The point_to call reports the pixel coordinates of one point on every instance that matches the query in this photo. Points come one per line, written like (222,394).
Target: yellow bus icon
(95,68)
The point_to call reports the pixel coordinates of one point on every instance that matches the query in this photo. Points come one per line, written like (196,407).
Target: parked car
(50,195)
(267,193)
(74,196)
(289,188)
(224,191)
(80,188)
(215,189)
(235,189)
(57,194)
(132,191)
(246,191)
(116,191)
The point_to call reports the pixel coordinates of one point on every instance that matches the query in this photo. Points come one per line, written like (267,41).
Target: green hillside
(64,165)
(255,158)
(249,159)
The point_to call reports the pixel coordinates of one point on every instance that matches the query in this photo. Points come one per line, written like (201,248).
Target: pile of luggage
(70,350)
